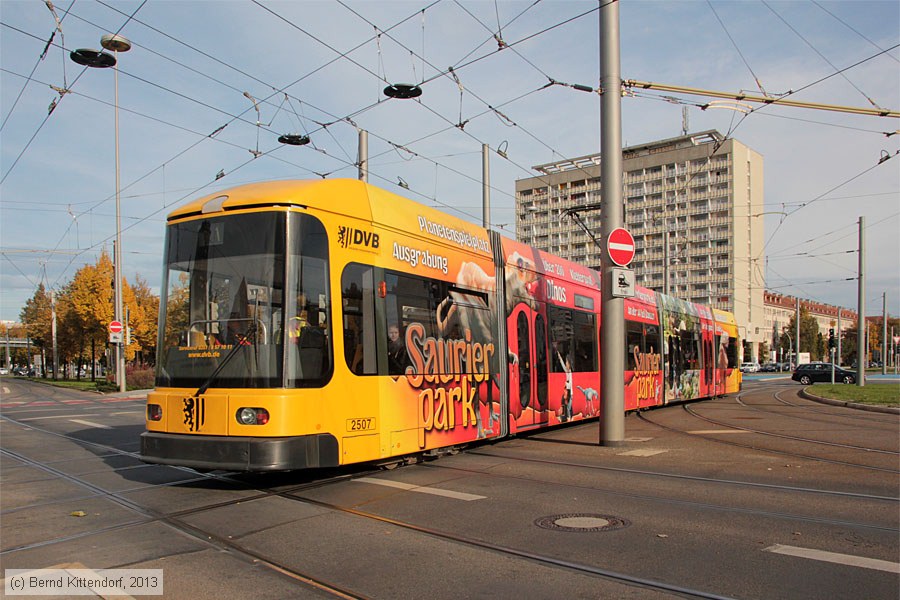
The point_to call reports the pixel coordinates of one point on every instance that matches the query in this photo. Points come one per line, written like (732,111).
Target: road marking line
(834,557)
(90,424)
(421,489)
(58,417)
(707,431)
(647,452)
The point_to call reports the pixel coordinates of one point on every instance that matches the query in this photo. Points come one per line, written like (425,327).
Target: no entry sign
(620,246)
(115,327)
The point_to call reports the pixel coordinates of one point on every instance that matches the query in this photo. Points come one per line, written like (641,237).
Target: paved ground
(765,495)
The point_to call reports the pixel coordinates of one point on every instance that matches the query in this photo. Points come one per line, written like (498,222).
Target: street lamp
(102,60)
(790,346)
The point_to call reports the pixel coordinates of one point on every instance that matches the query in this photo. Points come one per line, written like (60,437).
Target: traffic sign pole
(612,309)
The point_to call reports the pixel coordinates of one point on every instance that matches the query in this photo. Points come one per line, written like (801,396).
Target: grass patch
(83,385)
(882,394)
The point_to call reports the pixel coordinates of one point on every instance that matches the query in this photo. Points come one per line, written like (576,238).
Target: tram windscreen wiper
(242,343)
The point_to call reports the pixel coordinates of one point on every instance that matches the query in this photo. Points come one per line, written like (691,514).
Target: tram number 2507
(365,424)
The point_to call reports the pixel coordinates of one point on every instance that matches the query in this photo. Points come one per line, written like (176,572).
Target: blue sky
(191,63)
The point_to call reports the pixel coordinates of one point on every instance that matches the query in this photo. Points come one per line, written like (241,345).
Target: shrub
(140,379)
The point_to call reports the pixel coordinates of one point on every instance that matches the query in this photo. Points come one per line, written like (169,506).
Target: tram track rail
(760,448)
(853,417)
(848,416)
(690,410)
(687,503)
(175,520)
(298,493)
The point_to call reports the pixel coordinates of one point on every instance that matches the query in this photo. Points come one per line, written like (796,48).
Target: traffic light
(831,343)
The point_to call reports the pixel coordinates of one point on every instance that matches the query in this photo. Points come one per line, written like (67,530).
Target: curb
(892,410)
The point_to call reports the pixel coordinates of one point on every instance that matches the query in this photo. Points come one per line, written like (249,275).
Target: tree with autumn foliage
(84,308)
(144,312)
(36,316)
(93,299)
(89,298)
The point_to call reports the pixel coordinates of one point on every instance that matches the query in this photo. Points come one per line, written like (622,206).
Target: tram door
(529,395)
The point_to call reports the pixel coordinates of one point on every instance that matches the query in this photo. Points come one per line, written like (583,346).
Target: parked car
(749,367)
(820,372)
(769,367)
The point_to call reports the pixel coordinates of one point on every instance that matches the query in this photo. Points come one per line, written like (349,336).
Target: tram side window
(358,314)
(573,337)
(634,344)
(731,351)
(690,341)
(641,338)
(437,309)
(308,329)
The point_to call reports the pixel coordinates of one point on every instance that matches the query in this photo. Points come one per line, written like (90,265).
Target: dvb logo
(348,236)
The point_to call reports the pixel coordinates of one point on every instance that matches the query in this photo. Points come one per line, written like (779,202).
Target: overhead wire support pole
(861,326)
(363,155)
(612,312)
(742,97)
(485,187)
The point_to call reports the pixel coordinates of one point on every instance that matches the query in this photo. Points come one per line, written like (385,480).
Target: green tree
(763,352)
(810,338)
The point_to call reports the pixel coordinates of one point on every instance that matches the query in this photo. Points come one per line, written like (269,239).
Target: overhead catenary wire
(737,48)
(49,113)
(37,63)
(822,56)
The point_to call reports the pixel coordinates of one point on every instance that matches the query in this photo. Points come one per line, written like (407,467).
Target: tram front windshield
(236,290)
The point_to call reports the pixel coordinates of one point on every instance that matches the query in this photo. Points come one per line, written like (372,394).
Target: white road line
(58,417)
(90,424)
(834,557)
(642,452)
(708,431)
(421,489)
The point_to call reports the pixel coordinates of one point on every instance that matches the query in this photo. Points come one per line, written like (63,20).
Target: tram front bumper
(239,453)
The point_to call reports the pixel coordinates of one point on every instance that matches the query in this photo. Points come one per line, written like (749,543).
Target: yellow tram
(320,323)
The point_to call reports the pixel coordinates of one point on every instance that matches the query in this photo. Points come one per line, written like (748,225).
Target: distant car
(820,372)
(749,367)
(4,371)
(769,368)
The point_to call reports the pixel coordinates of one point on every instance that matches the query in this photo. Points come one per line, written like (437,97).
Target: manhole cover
(581,522)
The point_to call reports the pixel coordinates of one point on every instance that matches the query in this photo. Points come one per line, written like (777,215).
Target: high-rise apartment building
(702,193)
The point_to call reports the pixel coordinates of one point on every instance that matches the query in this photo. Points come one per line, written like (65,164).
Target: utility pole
(486,187)
(666,289)
(797,332)
(612,313)
(53,333)
(884,346)
(861,309)
(363,155)
(840,310)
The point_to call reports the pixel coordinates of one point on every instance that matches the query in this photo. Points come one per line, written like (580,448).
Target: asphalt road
(761,495)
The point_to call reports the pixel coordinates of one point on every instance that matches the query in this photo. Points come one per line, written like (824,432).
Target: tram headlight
(154,412)
(252,416)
